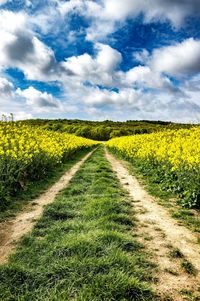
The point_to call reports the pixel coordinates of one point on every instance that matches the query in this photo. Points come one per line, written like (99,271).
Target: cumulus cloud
(20,48)
(132,103)
(10,102)
(144,76)
(81,65)
(141,90)
(43,102)
(11,21)
(108,58)
(6,88)
(94,83)
(108,14)
(192,84)
(123,97)
(37,100)
(97,70)
(177,60)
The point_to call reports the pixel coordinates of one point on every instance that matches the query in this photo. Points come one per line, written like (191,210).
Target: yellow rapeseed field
(174,146)
(23,142)
(175,154)
(29,152)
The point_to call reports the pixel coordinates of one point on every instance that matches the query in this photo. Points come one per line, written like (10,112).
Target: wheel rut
(160,234)
(11,231)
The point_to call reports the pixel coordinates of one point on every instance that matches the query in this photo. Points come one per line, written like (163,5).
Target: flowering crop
(173,155)
(28,153)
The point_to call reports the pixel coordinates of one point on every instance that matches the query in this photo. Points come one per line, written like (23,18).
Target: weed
(176,253)
(171,271)
(189,267)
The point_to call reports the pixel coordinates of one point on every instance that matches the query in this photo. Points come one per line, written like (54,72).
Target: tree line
(104,130)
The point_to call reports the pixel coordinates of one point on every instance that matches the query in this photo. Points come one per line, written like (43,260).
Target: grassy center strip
(83,248)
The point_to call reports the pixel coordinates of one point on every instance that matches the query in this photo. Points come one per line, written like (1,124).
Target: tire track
(159,233)
(11,231)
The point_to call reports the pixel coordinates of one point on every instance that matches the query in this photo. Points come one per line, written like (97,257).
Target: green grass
(191,218)
(188,217)
(171,271)
(83,248)
(191,295)
(185,264)
(189,268)
(35,188)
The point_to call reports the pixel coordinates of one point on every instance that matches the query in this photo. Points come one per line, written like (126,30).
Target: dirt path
(13,230)
(160,234)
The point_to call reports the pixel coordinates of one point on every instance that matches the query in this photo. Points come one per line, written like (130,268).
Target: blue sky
(103,59)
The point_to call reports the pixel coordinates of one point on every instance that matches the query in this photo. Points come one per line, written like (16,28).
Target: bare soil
(160,233)
(11,231)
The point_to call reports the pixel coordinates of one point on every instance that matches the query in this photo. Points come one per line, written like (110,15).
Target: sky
(98,60)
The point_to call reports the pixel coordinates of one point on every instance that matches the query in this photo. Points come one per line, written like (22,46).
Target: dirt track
(13,230)
(156,229)
(159,232)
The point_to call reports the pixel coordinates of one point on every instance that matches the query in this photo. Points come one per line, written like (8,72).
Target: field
(93,229)
(28,154)
(173,157)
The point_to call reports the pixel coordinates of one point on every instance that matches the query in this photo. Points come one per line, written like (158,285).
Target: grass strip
(83,248)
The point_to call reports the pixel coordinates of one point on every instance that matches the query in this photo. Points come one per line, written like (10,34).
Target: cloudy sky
(103,59)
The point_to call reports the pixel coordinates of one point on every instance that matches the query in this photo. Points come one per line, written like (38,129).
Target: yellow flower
(177,147)
(25,143)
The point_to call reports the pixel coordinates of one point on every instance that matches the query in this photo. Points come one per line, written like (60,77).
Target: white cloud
(10,101)
(81,65)
(135,102)
(37,100)
(144,92)
(12,22)
(141,56)
(191,88)
(124,97)
(177,60)
(68,6)
(144,76)
(108,14)
(43,102)
(97,70)
(6,88)
(20,48)
(192,84)
(79,75)
(108,58)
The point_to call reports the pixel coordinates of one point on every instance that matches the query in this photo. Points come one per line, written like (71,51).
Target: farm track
(160,234)
(156,230)
(11,231)
(83,247)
